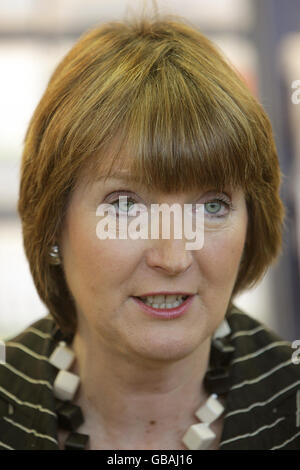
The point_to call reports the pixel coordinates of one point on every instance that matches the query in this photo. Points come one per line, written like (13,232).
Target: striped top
(262,408)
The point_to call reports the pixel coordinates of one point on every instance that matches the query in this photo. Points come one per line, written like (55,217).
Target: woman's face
(104,276)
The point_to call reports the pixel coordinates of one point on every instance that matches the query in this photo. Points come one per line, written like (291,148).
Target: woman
(150,110)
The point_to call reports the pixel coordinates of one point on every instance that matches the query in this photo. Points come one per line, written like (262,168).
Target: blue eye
(124,207)
(214,208)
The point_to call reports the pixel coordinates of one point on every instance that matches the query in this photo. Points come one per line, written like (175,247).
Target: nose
(169,256)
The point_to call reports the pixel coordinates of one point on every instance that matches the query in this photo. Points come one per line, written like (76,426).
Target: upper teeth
(163,301)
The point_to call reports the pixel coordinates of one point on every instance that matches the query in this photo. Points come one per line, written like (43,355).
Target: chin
(166,350)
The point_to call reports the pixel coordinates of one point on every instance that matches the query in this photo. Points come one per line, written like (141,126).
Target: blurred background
(262,40)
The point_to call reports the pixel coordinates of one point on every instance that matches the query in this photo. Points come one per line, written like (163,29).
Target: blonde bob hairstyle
(185,117)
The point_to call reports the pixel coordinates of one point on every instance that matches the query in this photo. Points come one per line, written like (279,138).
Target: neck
(137,396)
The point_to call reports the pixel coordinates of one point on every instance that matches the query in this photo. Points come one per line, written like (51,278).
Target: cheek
(93,264)
(221,257)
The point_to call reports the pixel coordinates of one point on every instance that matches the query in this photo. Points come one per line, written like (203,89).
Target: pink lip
(167,313)
(165,293)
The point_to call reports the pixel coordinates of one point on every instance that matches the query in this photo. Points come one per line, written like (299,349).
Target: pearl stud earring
(54,255)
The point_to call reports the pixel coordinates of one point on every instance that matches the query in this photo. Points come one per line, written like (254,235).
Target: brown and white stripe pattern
(262,409)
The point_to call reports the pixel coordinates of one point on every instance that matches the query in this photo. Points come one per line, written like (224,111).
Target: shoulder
(35,336)
(26,387)
(257,347)
(28,352)
(263,404)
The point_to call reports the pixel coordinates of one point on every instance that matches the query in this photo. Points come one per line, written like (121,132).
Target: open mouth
(164,301)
